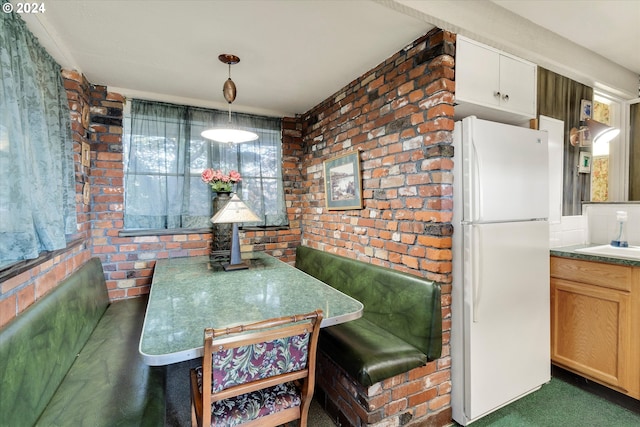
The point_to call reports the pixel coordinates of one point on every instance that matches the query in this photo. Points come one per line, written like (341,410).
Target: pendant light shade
(229,134)
(594,130)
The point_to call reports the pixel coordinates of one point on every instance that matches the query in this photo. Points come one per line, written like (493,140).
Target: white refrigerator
(500,332)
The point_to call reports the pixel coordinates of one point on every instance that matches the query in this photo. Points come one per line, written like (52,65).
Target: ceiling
(610,28)
(293,54)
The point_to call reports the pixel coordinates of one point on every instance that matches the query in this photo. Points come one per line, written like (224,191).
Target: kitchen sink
(632,252)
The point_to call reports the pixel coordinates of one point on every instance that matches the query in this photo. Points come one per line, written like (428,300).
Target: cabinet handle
(505,97)
(496,94)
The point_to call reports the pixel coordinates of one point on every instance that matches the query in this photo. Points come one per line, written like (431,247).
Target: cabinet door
(590,332)
(517,86)
(477,74)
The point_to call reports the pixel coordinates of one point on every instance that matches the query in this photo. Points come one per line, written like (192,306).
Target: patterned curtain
(37,190)
(559,97)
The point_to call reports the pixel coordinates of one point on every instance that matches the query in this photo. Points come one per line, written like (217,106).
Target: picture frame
(343,182)
(586,109)
(584,165)
(85,155)
(585,138)
(86,193)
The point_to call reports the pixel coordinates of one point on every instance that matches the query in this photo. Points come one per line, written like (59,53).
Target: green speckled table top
(190,294)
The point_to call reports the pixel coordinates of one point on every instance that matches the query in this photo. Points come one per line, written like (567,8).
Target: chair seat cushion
(251,406)
(367,352)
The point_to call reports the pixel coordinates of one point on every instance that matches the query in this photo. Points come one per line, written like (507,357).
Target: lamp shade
(601,132)
(235,211)
(598,132)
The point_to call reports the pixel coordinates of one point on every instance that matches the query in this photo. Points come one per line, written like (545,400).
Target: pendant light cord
(229,64)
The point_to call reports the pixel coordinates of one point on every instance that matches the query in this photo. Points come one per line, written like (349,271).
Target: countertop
(570,252)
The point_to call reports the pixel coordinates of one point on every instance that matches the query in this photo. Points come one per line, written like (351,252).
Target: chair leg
(304,411)
(194,420)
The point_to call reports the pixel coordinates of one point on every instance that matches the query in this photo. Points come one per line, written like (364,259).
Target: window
(607,177)
(164,156)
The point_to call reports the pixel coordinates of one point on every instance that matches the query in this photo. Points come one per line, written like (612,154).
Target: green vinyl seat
(401,326)
(71,359)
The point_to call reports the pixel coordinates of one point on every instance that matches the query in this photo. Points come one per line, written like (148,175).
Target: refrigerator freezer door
(505,172)
(506,313)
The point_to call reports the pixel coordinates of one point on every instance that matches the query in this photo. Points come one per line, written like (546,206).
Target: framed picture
(585,162)
(343,183)
(585,109)
(585,138)
(85,155)
(86,193)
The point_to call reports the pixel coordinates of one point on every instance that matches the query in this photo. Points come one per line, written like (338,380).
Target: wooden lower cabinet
(595,329)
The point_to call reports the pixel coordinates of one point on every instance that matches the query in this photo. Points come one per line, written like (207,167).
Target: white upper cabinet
(492,84)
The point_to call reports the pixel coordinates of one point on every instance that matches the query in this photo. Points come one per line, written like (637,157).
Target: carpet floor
(568,401)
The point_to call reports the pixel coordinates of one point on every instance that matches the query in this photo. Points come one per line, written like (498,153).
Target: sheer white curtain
(37,188)
(165,155)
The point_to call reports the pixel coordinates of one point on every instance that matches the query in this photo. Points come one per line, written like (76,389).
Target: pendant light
(594,130)
(229,134)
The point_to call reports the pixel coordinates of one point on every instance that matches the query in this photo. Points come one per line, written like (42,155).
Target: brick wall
(399,118)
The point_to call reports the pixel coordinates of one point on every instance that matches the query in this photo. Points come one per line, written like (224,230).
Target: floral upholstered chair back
(262,373)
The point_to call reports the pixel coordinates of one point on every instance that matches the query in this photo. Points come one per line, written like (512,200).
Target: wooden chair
(259,374)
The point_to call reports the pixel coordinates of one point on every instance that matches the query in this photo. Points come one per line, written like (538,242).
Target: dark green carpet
(567,401)
(561,403)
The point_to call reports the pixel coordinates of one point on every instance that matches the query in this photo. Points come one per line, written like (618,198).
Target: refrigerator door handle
(477,190)
(476,273)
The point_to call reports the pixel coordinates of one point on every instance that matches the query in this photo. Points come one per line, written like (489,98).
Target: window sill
(17,268)
(162,232)
(170,232)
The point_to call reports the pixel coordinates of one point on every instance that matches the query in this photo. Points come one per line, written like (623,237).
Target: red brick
(423,396)
(439,402)
(395,407)
(15,282)
(26,297)
(7,309)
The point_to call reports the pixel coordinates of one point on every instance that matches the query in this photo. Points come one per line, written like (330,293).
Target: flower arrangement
(219,181)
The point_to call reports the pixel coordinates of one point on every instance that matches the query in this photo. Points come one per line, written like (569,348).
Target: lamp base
(233,267)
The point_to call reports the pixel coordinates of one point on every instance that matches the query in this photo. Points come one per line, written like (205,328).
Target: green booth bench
(399,332)
(401,326)
(71,359)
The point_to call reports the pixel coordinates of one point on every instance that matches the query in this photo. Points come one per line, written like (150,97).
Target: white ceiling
(611,28)
(294,54)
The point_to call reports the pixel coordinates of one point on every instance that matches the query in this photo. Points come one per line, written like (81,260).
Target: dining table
(193,293)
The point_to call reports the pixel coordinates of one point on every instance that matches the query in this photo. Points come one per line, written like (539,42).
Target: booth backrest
(404,305)
(38,347)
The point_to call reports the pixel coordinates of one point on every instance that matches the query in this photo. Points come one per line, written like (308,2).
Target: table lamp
(235,211)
